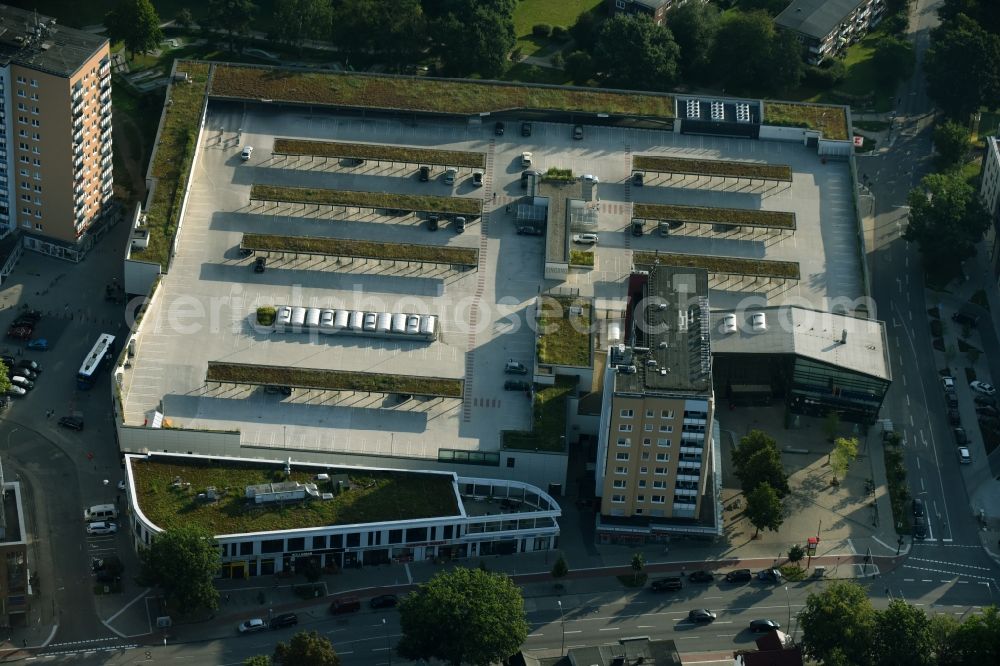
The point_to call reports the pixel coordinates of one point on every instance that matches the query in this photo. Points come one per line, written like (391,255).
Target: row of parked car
(673,583)
(339,606)
(22,375)
(23,329)
(986,409)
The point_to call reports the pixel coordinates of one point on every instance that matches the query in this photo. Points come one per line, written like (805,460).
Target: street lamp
(899,544)
(388,647)
(562,646)
(789,604)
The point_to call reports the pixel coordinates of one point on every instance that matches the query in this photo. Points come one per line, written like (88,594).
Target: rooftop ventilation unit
(742,112)
(693,109)
(718,111)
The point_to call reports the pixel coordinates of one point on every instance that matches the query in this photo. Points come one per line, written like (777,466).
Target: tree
(257,660)
(634,52)
(977,640)
(961,67)
(232,17)
(694,26)
(182,561)
(580,67)
(4,378)
(947,219)
(903,636)
(306,649)
(951,143)
(845,450)
(396,32)
(184,18)
(764,508)
(297,20)
(463,615)
(587,29)
(943,629)
(560,569)
(637,564)
(749,54)
(475,37)
(772,7)
(838,625)
(136,23)
(893,60)
(831,424)
(796,553)
(757,460)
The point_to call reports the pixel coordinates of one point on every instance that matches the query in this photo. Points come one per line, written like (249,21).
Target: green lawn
(549,426)
(372,497)
(524,73)
(529,13)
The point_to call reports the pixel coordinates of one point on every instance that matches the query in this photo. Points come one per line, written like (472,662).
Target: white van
(298,317)
(100,512)
(312,318)
(357,321)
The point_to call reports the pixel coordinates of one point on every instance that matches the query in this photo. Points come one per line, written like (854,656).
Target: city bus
(101,354)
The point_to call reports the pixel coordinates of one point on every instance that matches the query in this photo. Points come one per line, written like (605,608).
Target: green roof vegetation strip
(581,258)
(563,337)
(410,202)
(549,426)
(341,247)
(172,161)
(373,497)
(432,95)
(768,219)
(830,120)
(787,270)
(372,151)
(332,380)
(720,168)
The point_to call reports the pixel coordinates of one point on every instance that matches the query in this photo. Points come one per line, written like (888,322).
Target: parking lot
(205,306)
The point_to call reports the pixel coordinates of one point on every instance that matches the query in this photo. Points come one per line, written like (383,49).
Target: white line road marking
(911,421)
(951,564)
(918,463)
(610,629)
(908,580)
(922,483)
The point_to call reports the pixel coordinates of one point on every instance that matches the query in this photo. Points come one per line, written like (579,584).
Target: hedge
(378,152)
(720,168)
(332,380)
(347,198)
(725,265)
(340,247)
(768,219)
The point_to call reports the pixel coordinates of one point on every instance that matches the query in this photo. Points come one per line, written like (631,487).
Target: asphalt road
(915,402)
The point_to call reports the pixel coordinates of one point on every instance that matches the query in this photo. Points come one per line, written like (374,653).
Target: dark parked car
(954,418)
(636,227)
(384,601)
(432,222)
(71,422)
(498,128)
(342,605)
(425,174)
(284,620)
(951,399)
(762,626)
(260,265)
(529,231)
(918,507)
(525,129)
(477,178)
(920,527)
(965,319)
(739,576)
(701,615)
(666,584)
(637,178)
(355,161)
(578,132)
(769,575)
(700,577)
(524,177)
(515,385)
(960,437)
(278,390)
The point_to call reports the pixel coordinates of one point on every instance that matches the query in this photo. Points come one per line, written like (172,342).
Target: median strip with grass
(719,168)
(564,331)
(831,121)
(765,219)
(426,94)
(380,153)
(372,497)
(765,268)
(348,198)
(548,431)
(356,249)
(172,161)
(332,380)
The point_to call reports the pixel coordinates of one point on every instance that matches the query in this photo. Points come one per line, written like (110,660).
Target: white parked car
(251,626)
(964,456)
(590,178)
(948,383)
(526,159)
(102,527)
(758,321)
(247,152)
(729,323)
(585,239)
(982,387)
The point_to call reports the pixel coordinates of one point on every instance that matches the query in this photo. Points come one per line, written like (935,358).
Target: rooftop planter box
(332,380)
(784,270)
(549,425)
(172,158)
(341,247)
(831,121)
(372,497)
(704,215)
(380,153)
(444,96)
(348,198)
(719,168)
(581,258)
(555,175)
(564,336)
